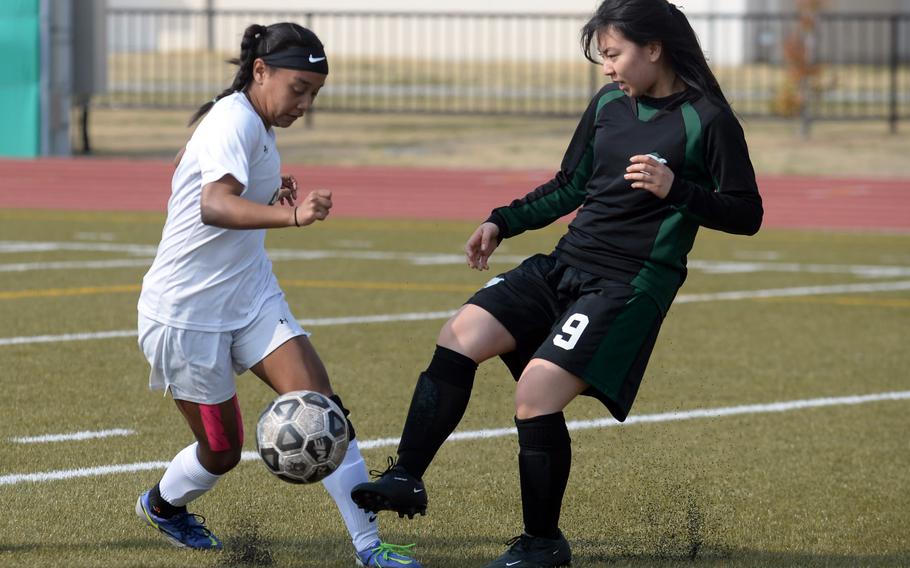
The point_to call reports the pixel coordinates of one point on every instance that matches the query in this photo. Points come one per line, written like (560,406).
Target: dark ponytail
(644,21)
(259,41)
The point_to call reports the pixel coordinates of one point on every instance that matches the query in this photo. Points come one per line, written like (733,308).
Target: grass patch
(820,487)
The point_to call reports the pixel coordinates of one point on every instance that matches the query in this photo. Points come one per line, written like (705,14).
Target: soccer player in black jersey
(657,154)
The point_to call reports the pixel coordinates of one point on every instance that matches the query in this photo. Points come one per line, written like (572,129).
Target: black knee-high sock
(544,460)
(439,402)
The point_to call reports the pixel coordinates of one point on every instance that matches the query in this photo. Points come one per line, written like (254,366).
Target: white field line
(68,337)
(858,288)
(74,264)
(85,435)
(276,255)
(417,258)
(31,246)
(315,322)
(743,267)
(575,425)
(58,475)
(708,267)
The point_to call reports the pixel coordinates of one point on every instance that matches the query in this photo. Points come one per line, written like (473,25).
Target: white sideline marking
(314,322)
(81,472)
(30,246)
(574,425)
(796,291)
(744,267)
(85,435)
(381,318)
(74,264)
(416,258)
(276,255)
(417,316)
(68,337)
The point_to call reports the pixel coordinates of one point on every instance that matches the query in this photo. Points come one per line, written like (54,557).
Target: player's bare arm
(222,206)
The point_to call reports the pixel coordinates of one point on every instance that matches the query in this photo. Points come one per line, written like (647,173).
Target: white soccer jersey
(207,278)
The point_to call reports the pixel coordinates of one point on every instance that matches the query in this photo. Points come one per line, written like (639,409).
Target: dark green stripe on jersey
(629,235)
(560,196)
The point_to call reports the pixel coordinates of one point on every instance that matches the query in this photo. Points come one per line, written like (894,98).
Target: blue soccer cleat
(183,530)
(386,555)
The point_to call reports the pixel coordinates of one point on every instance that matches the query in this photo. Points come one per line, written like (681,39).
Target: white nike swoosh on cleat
(513,563)
(417,490)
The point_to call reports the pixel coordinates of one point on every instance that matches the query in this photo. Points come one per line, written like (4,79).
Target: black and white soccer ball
(302,436)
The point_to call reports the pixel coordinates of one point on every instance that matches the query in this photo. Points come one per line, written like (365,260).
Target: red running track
(374,192)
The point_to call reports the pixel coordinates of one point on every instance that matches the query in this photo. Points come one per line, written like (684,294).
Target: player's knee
(461,334)
(528,404)
(219,462)
(448,336)
(526,411)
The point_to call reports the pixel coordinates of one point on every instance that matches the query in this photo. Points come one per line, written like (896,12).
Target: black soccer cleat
(393,490)
(526,551)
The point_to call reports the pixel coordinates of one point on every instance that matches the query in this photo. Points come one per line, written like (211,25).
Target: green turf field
(822,486)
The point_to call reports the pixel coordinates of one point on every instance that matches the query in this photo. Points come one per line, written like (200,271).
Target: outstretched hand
(481,245)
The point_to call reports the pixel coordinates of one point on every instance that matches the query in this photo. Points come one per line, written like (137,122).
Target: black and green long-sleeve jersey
(630,235)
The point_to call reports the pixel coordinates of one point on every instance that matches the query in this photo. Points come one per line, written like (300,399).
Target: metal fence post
(210,24)
(893,61)
(806,86)
(308,117)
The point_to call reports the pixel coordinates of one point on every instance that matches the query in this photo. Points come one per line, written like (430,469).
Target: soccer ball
(302,436)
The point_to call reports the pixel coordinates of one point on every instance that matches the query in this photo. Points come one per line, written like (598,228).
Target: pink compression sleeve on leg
(213,422)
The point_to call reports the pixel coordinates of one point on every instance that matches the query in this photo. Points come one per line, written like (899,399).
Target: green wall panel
(20,78)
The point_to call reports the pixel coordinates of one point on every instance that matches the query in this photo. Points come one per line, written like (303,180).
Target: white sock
(185,479)
(361,525)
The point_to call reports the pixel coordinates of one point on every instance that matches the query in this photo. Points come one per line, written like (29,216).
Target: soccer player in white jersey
(210,305)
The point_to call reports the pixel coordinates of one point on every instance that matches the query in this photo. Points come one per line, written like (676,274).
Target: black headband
(300,58)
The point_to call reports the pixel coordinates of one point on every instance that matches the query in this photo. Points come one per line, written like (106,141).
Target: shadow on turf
(745,559)
(248,550)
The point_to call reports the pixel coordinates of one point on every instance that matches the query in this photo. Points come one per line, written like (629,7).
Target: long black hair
(259,41)
(644,21)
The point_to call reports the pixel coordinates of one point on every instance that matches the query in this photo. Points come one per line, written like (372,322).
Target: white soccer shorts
(199,366)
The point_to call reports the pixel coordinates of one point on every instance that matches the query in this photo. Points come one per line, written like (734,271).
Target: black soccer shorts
(597,329)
